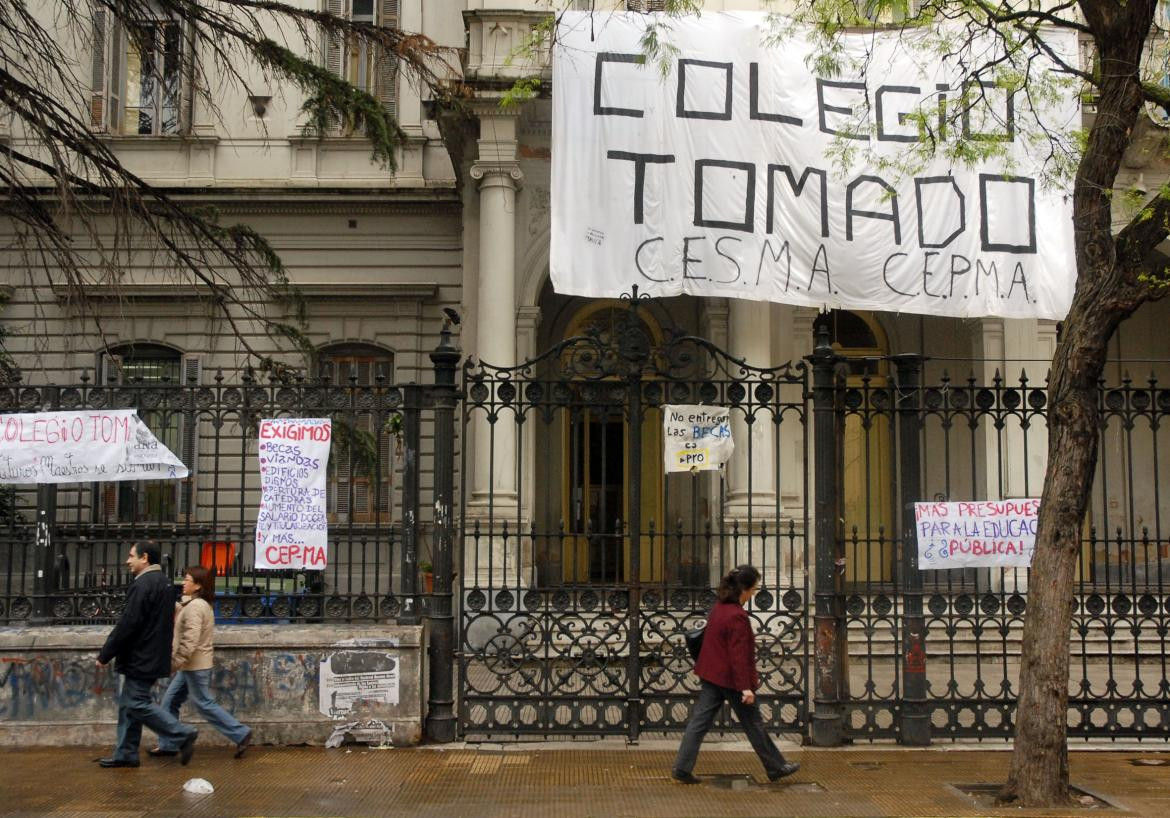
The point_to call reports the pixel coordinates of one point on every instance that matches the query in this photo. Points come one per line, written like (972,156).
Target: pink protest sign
(976,534)
(291,529)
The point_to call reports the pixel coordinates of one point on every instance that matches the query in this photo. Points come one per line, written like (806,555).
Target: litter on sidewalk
(373,732)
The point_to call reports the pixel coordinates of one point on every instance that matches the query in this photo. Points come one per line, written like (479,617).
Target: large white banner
(83,447)
(292,527)
(726,177)
(976,534)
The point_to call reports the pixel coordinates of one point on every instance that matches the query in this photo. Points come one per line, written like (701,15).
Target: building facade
(567,526)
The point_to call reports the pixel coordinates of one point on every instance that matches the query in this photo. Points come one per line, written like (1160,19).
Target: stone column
(1004,458)
(751,474)
(494,499)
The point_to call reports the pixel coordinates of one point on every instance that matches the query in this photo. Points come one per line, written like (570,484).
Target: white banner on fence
(83,447)
(291,529)
(723,177)
(976,534)
(695,438)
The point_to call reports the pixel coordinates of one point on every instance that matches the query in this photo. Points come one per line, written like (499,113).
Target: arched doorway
(595,448)
(867,468)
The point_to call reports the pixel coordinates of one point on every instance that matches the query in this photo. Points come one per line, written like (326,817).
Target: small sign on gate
(696,438)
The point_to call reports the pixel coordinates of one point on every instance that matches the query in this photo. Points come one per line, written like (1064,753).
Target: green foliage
(332,103)
(522,90)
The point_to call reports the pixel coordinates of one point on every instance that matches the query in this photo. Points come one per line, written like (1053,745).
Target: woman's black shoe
(788,769)
(158,752)
(683,778)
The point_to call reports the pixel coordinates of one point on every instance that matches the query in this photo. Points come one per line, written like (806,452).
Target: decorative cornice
(306,208)
(322,291)
(159,142)
(382,291)
(309,201)
(488,105)
(137,292)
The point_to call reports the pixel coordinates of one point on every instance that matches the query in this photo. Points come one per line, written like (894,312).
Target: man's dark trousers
(140,644)
(136,708)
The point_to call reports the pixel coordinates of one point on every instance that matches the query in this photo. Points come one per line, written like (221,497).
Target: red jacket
(728,657)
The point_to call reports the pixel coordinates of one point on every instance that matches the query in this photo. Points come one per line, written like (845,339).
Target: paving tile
(535,781)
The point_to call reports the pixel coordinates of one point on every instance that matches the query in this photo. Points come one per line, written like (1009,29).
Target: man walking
(141,643)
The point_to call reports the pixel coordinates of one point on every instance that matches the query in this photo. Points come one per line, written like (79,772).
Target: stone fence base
(293,684)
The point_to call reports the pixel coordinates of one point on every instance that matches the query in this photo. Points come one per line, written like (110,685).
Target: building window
(139,80)
(357,61)
(361,465)
(153,501)
(645,6)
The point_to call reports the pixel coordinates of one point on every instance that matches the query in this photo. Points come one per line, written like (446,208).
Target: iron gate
(583,564)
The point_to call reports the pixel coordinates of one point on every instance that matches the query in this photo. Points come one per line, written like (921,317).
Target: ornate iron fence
(62,548)
(936,654)
(575,593)
(584,564)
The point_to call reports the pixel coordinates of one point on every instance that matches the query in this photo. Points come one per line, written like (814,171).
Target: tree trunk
(1105,295)
(1039,771)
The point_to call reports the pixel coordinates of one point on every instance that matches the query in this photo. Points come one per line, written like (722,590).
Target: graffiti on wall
(43,688)
(32,687)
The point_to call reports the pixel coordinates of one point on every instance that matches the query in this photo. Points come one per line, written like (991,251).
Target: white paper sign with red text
(83,447)
(291,529)
(977,533)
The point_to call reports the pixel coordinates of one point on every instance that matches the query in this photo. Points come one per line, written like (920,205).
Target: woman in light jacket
(727,671)
(191,661)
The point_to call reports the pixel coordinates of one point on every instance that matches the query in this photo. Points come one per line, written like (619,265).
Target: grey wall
(53,693)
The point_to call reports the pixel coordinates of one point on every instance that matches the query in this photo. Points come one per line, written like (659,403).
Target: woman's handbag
(694,640)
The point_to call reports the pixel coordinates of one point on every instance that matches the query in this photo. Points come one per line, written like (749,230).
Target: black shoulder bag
(694,640)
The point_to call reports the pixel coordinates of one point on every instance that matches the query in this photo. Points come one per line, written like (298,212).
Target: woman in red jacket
(727,670)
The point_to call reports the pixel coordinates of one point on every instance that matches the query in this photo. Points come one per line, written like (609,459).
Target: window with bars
(154,501)
(645,6)
(140,84)
(362,65)
(361,467)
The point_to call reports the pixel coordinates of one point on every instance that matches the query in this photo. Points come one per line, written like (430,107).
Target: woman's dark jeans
(711,698)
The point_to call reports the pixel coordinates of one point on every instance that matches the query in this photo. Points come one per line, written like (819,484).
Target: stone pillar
(494,499)
(751,474)
(1010,462)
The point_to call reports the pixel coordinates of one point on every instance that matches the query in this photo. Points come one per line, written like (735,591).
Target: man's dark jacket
(141,641)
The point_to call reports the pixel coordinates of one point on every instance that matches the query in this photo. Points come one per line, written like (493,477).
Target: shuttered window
(140,80)
(362,65)
(361,465)
(154,501)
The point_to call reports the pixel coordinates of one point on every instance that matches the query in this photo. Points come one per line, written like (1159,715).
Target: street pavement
(594,779)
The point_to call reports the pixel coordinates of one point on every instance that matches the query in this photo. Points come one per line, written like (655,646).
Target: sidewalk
(539,780)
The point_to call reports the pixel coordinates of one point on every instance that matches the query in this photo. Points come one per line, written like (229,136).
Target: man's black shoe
(187,748)
(116,762)
(683,778)
(788,769)
(244,744)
